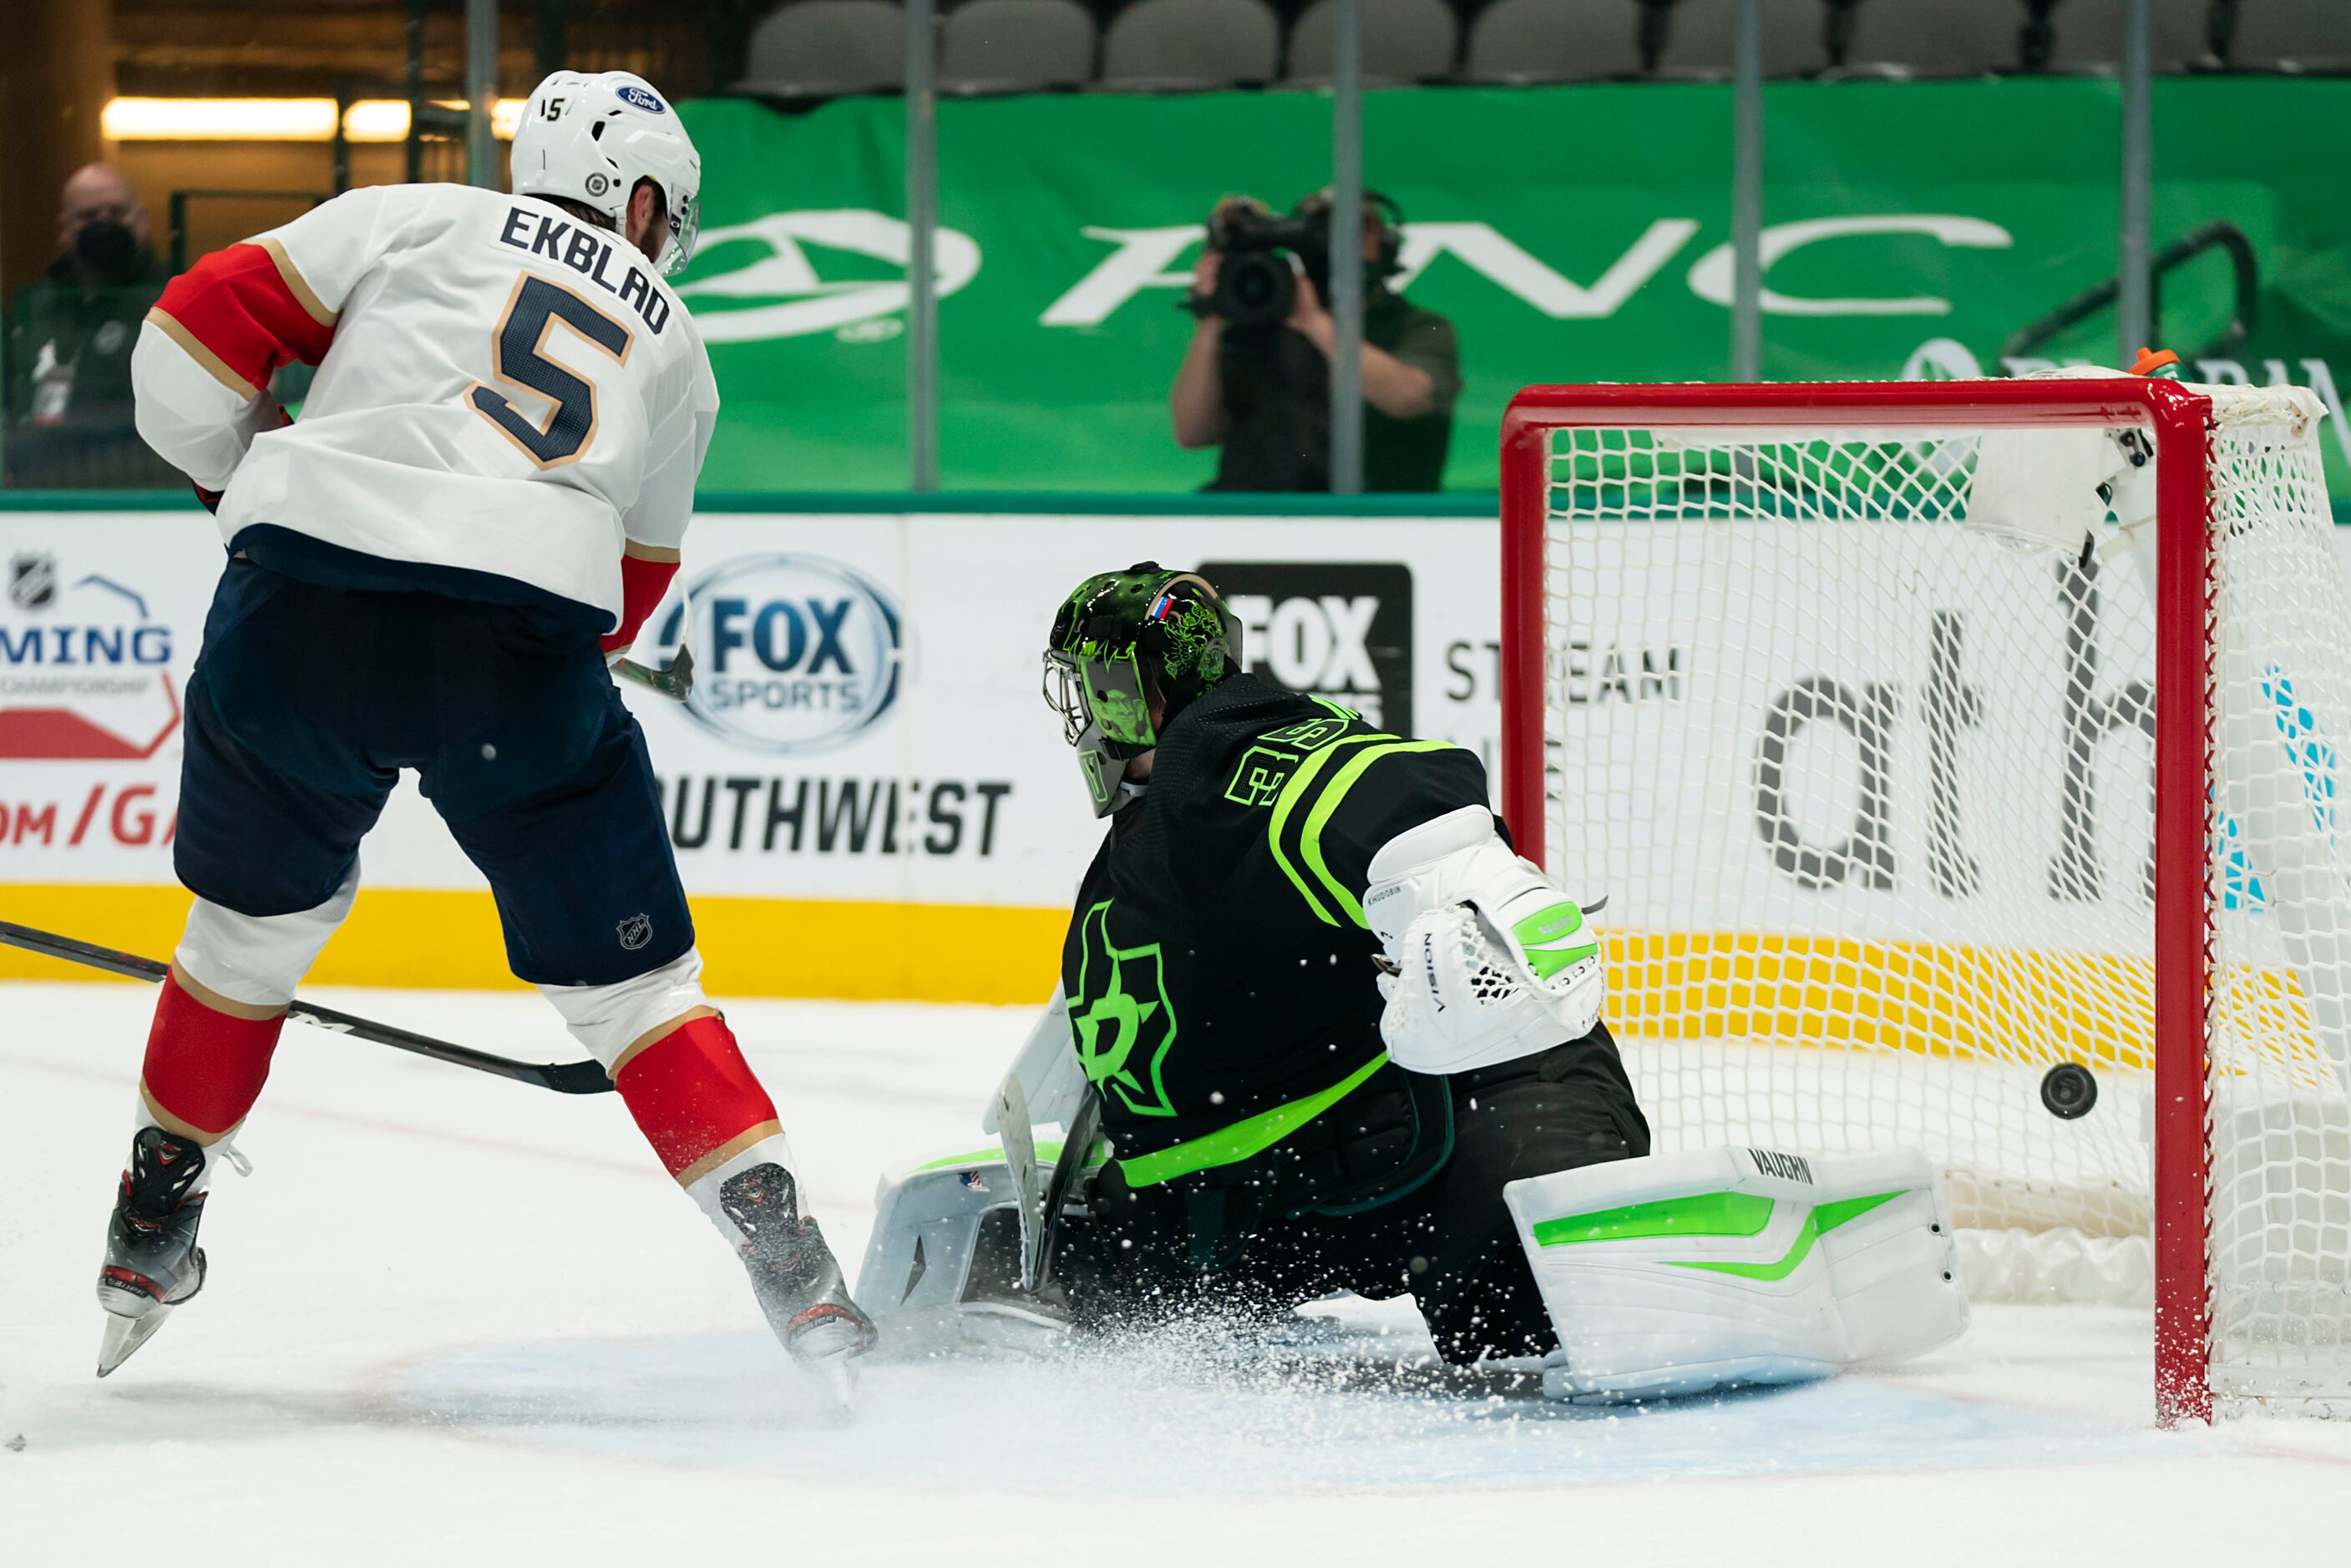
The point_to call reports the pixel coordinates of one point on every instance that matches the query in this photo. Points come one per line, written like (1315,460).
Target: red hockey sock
(205,1068)
(695,1098)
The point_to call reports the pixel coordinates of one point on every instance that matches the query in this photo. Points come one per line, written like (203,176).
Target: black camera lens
(1255,288)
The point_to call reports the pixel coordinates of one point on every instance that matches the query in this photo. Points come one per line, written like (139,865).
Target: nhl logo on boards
(634,932)
(85,670)
(32,581)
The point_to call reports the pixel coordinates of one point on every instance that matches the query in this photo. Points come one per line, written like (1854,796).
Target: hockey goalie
(1337,1036)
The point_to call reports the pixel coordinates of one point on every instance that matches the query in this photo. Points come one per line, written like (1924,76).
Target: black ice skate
(793,1273)
(153,1261)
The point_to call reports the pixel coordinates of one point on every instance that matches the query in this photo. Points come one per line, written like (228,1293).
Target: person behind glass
(1256,379)
(69,342)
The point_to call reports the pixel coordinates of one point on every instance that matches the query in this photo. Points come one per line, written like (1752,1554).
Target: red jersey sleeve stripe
(238,304)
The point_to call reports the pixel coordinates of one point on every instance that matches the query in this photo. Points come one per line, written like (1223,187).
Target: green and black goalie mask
(1122,638)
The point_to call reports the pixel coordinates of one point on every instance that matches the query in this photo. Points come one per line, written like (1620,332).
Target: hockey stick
(1019,1143)
(1077,1142)
(674,679)
(563,1078)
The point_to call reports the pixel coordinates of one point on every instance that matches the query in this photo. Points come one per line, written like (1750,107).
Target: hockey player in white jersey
(483,501)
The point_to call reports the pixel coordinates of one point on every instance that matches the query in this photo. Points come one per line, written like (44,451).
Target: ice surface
(453,1320)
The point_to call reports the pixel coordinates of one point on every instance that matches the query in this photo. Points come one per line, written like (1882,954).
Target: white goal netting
(1869,790)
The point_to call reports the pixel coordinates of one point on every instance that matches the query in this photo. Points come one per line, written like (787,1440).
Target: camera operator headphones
(1390,260)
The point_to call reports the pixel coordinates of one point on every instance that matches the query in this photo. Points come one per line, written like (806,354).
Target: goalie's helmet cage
(591,138)
(1865,781)
(1121,641)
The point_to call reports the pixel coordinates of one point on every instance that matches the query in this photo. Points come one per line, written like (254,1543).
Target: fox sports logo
(792,653)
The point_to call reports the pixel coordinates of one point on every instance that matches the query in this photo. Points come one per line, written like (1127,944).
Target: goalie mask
(1121,641)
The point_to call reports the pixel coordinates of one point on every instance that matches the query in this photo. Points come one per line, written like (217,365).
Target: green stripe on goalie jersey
(1308,784)
(1246,1138)
(1549,937)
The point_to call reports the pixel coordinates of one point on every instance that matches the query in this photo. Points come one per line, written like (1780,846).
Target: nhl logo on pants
(635,931)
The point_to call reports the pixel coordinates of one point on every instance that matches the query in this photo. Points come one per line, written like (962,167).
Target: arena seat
(1014,46)
(1180,46)
(1514,41)
(2291,35)
(2088,34)
(1403,41)
(1702,36)
(1936,37)
(823,48)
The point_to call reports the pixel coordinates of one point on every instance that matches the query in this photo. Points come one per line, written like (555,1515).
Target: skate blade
(124,1335)
(837,1376)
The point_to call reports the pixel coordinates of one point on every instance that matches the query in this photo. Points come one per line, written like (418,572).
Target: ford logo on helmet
(792,653)
(641,97)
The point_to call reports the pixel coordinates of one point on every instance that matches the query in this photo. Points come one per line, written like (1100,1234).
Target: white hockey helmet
(589,139)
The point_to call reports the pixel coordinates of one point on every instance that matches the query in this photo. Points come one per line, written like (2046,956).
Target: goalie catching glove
(1492,962)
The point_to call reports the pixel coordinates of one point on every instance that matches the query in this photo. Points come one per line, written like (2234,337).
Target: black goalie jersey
(1220,973)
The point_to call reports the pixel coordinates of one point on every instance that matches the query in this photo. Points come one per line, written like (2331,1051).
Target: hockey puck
(2069,1091)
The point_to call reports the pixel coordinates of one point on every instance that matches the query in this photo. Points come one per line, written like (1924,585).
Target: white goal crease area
(1901,805)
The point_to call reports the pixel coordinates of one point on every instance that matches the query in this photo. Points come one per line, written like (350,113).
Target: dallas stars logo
(1121,1018)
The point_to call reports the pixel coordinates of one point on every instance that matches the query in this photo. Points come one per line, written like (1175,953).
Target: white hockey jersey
(501,388)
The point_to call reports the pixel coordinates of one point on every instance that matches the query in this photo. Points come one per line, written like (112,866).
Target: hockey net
(1915,833)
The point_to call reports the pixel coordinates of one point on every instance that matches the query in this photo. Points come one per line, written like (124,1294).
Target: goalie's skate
(793,1273)
(153,1261)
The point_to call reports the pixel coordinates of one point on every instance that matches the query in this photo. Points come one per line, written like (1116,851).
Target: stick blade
(1077,1142)
(1021,1157)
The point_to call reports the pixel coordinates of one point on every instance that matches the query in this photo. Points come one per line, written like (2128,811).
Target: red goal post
(2179,420)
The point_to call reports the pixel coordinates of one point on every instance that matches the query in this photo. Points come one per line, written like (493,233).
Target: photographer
(1256,381)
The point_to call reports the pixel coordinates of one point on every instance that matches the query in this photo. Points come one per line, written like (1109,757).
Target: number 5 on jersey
(522,361)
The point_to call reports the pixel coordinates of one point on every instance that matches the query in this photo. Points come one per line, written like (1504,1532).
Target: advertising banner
(1570,233)
(867,794)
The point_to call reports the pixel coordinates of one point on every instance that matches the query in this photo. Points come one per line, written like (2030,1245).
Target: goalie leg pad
(943,1263)
(1674,1274)
(1677,1273)
(1893,1261)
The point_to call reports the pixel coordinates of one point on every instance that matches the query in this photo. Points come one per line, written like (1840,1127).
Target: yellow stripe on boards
(1765,987)
(754,946)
